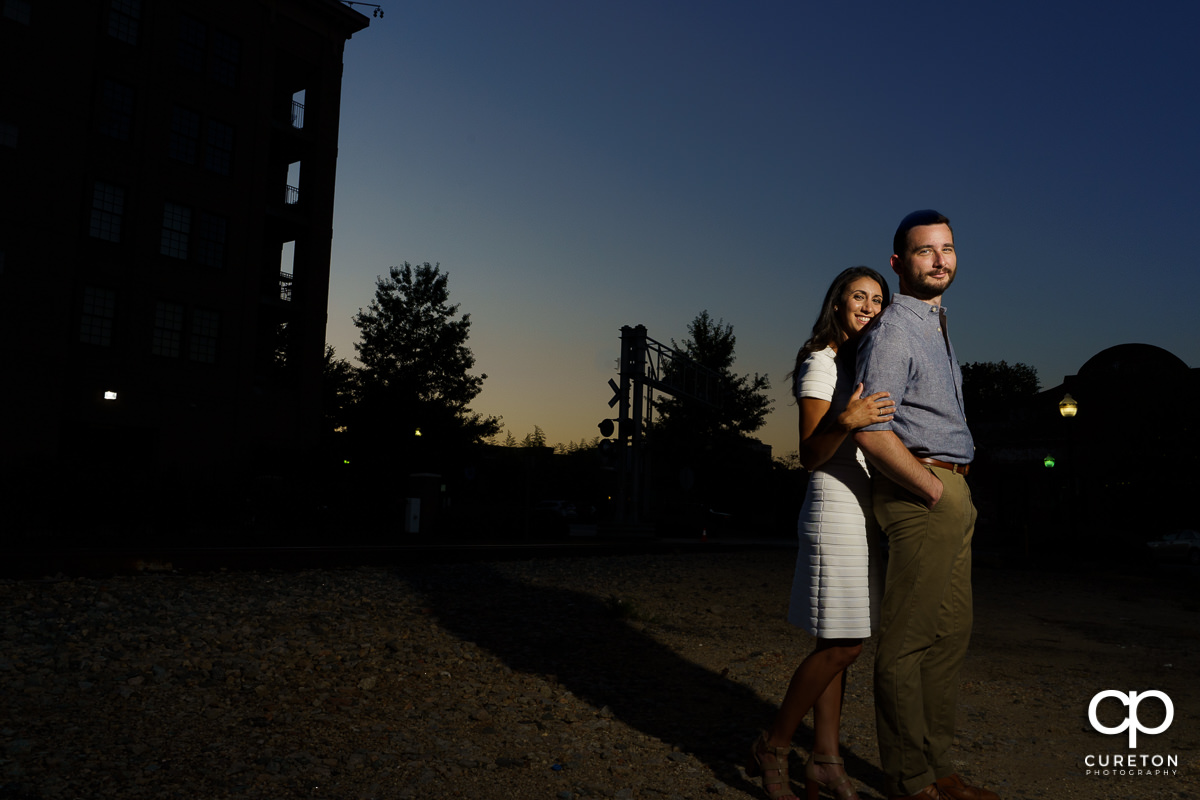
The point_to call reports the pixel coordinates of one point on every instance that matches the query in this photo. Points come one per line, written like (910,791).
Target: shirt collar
(918,308)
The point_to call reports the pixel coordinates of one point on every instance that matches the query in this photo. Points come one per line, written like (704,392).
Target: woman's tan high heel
(842,788)
(764,759)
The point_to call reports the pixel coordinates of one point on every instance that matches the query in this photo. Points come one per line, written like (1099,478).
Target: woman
(830,593)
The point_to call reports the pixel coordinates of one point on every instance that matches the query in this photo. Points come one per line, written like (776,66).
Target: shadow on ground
(583,643)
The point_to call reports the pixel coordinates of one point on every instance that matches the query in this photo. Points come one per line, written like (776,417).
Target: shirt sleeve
(818,378)
(884,365)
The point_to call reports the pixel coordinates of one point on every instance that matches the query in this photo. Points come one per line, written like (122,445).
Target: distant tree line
(538,439)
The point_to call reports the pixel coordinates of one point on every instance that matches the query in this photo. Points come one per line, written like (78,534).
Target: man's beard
(922,288)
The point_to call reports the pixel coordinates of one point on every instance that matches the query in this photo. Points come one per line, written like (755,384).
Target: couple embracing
(884,434)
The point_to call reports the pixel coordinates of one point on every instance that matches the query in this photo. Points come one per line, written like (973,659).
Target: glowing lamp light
(110,395)
(1048,462)
(1068,407)
(417,432)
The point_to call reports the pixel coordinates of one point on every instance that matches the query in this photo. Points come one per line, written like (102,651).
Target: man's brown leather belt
(961,469)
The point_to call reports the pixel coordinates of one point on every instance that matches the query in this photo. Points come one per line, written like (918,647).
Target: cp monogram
(1131,722)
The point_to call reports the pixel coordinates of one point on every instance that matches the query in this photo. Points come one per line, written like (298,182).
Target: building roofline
(342,15)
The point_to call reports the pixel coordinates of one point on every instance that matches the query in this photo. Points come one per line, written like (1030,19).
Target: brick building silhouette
(166,209)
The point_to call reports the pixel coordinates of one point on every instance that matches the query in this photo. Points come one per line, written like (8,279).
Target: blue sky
(579,166)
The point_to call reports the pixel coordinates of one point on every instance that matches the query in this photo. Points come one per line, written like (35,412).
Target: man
(920,460)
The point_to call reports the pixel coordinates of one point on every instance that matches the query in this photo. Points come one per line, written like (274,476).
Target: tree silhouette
(744,403)
(535,439)
(704,455)
(991,386)
(415,373)
(339,385)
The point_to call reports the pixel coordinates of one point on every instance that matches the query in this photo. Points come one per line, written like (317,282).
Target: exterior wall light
(110,395)
(1068,407)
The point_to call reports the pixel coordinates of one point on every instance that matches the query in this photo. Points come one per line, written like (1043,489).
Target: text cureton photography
(1130,764)
(1123,764)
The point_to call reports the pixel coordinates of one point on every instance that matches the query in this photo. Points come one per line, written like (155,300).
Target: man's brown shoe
(953,787)
(930,792)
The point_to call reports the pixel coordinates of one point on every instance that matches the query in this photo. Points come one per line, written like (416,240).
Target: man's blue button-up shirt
(905,354)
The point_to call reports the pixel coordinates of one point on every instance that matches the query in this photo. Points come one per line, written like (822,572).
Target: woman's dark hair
(826,330)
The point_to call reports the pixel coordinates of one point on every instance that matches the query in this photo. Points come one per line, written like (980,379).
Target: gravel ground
(617,677)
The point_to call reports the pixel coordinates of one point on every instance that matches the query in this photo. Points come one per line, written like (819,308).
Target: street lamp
(1067,406)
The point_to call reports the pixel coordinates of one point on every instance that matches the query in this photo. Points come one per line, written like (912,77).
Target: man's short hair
(916,219)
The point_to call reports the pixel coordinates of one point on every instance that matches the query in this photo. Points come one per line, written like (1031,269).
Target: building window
(185,135)
(218,148)
(8,134)
(96,321)
(108,204)
(192,39)
(210,240)
(123,20)
(203,344)
(227,52)
(168,330)
(18,10)
(298,109)
(292,190)
(116,109)
(177,223)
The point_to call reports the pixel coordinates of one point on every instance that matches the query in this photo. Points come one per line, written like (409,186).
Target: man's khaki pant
(924,628)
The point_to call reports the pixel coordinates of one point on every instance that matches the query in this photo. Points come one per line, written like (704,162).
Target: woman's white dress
(835,571)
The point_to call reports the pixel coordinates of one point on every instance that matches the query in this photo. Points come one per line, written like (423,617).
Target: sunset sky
(579,166)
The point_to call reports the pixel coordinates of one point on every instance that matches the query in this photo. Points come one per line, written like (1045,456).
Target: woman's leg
(827,724)
(827,716)
(811,681)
